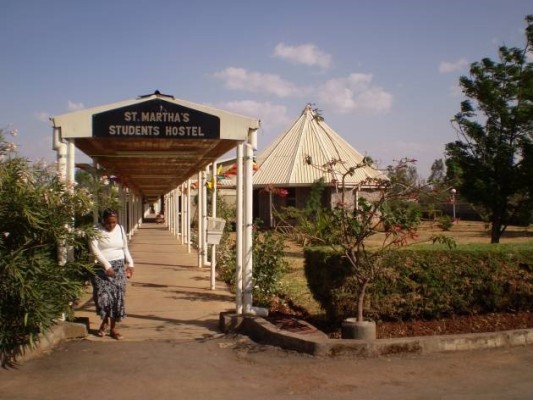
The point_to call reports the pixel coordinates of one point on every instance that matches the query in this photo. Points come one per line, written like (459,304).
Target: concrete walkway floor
(168,297)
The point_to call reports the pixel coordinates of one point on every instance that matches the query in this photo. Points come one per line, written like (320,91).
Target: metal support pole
(182,215)
(239,232)
(188,217)
(71,164)
(248,221)
(200,220)
(213,214)
(453,192)
(204,216)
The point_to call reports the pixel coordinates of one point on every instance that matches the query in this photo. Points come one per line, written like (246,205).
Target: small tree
(492,162)
(384,215)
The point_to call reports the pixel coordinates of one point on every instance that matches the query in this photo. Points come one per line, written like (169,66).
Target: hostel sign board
(156,119)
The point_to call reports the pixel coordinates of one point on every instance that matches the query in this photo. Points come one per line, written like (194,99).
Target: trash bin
(215,228)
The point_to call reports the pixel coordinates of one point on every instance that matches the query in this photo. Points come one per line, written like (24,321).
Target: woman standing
(109,283)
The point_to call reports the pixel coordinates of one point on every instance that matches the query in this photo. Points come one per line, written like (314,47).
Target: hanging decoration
(278,191)
(232,171)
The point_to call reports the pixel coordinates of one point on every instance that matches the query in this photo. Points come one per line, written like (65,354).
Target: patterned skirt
(109,292)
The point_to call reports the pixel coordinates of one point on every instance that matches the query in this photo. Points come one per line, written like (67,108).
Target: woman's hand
(109,272)
(129,272)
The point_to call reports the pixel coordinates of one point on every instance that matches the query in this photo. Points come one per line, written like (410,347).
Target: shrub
(269,265)
(36,214)
(427,284)
(445,222)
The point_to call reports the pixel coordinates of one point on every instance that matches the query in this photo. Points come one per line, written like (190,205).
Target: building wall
(296,197)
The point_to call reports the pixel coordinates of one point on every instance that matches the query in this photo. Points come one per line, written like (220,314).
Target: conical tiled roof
(309,140)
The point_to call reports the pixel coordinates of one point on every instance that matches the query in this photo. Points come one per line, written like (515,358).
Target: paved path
(169,297)
(235,368)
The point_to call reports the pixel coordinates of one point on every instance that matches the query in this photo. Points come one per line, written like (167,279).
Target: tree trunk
(361,301)
(496,228)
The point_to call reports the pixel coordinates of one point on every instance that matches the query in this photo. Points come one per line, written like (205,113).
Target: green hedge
(426,284)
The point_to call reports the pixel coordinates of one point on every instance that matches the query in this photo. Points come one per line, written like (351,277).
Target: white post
(123,203)
(96,178)
(136,213)
(188,217)
(204,216)
(71,163)
(178,210)
(61,148)
(70,182)
(168,211)
(200,220)
(182,215)
(248,226)
(239,245)
(165,202)
(177,216)
(214,214)
(140,212)
(130,214)
(171,210)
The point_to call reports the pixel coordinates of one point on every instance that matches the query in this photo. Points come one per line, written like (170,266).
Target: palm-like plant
(37,214)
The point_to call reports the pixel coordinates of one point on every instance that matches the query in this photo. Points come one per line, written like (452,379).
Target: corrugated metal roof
(285,161)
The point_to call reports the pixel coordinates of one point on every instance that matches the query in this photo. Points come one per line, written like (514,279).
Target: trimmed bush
(426,284)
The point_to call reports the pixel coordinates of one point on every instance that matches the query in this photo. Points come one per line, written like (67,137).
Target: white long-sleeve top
(111,246)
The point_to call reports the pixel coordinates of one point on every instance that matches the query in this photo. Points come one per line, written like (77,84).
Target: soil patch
(287,318)
(456,325)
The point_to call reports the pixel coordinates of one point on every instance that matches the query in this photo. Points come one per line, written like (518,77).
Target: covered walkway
(169,297)
(153,146)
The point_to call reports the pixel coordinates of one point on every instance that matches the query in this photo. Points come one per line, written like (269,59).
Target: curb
(317,343)
(313,342)
(61,331)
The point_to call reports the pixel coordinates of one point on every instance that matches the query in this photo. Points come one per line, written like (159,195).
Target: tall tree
(492,163)
(438,173)
(404,176)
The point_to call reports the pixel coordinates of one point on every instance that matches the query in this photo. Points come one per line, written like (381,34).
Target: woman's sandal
(101,330)
(115,335)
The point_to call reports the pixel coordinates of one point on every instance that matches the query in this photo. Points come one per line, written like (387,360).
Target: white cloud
(445,67)
(250,81)
(75,106)
(42,116)
(272,116)
(355,93)
(307,54)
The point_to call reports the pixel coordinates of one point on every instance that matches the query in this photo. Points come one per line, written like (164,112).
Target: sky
(384,73)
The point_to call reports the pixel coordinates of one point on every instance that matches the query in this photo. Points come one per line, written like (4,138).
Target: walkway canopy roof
(307,151)
(156,142)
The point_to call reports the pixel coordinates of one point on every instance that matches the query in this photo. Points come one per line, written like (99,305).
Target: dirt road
(236,368)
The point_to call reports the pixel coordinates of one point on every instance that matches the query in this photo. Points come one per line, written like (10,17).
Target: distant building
(307,151)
